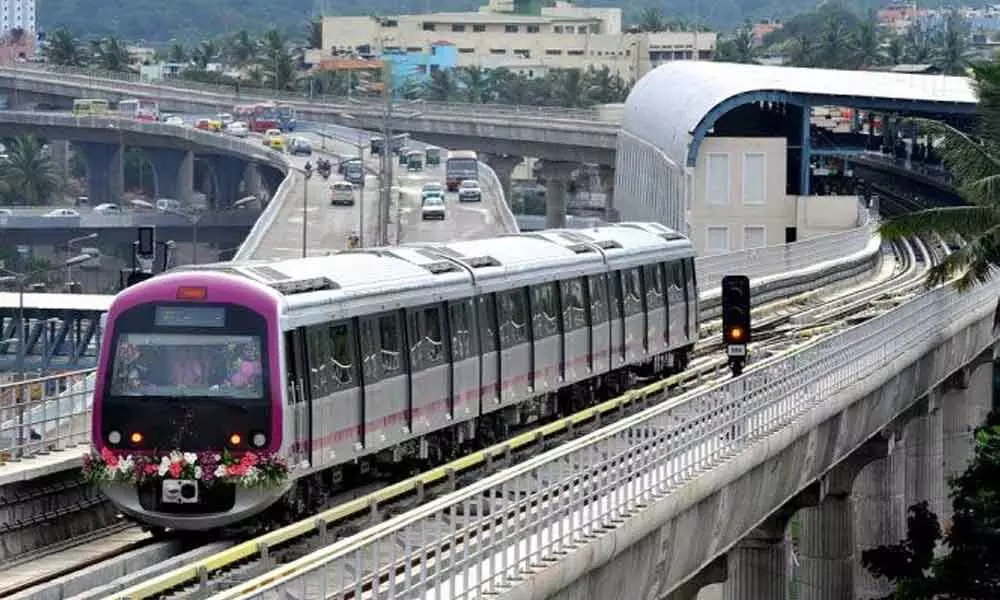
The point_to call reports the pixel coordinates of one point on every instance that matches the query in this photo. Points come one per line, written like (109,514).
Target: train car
(375,358)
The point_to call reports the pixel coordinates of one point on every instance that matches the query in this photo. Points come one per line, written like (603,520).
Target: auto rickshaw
(433,156)
(414,161)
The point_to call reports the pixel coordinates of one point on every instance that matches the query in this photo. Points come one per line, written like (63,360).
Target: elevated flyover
(556,133)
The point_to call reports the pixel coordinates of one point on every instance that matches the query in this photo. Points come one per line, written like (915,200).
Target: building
(519,35)
(414,68)
(17,14)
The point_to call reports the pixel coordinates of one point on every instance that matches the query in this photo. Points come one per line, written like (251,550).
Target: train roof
(442,270)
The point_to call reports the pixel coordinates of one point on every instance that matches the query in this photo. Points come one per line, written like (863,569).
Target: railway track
(249,560)
(449,538)
(232,563)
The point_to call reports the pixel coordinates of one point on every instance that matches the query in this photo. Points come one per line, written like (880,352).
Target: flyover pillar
(251,177)
(174,173)
(827,533)
(229,172)
(758,565)
(59,150)
(606,176)
(965,403)
(557,176)
(105,172)
(873,524)
(503,165)
(925,457)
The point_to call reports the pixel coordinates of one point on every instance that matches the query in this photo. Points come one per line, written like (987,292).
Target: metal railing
(480,539)
(43,415)
(227,93)
(493,188)
(771,260)
(793,257)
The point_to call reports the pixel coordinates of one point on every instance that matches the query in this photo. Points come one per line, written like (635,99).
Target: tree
(63,49)
(441,87)
(206,53)
(739,48)
(241,49)
(111,54)
(314,32)
(651,20)
(29,175)
(970,569)
(867,42)
(975,164)
(952,52)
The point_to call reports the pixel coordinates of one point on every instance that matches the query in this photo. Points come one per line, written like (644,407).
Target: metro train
(377,359)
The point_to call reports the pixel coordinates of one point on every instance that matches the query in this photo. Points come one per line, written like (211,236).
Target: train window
(545,311)
(370,350)
(675,275)
(318,344)
(391,347)
(463,339)
(513,312)
(615,295)
(488,322)
(342,374)
(690,276)
(574,311)
(426,345)
(653,277)
(598,298)
(632,287)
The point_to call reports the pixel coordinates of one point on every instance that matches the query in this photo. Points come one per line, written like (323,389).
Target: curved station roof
(677,104)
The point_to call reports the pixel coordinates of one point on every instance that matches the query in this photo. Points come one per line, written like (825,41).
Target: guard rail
(132,82)
(481,539)
(493,188)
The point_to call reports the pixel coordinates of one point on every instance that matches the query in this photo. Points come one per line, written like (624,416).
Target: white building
(16,14)
(562,36)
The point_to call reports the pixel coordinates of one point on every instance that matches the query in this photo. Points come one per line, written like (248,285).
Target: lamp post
(193,216)
(21,279)
(307,171)
(69,252)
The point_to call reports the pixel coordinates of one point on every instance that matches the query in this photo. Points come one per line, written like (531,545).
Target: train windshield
(188,365)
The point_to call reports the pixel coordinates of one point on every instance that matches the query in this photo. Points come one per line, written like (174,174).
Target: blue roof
(675,105)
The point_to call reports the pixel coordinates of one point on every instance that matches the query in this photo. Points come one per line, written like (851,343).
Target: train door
(465,362)
(617,319)
(489,349)
(299,408)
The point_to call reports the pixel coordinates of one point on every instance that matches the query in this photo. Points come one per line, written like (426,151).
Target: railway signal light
(736,330)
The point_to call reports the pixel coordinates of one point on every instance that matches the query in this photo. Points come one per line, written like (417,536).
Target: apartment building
(499,35)
(17,14)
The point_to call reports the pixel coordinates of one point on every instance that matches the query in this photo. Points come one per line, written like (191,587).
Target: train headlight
(135,438)
(115,437)
(235,439)
(258,440)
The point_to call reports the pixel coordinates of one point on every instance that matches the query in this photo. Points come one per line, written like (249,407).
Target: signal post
(736,331)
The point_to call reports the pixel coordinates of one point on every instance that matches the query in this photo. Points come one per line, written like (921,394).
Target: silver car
(469,191)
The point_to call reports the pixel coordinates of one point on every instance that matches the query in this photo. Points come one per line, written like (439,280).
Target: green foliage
(28,176)
(975,163)
(970,569)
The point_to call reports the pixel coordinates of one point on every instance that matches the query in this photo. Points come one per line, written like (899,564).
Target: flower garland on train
(251,470)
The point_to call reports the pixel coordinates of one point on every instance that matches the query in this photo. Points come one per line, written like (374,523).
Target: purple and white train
(377,358)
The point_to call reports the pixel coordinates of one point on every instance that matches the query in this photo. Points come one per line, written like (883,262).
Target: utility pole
(385,195)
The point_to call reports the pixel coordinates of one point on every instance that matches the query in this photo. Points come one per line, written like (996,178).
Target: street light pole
(69,252)
(195,219)
(361,195)
(385,196)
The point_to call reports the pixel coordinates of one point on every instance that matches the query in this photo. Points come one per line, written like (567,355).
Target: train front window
(188,364)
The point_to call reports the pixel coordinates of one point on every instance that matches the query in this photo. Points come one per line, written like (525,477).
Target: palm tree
(740,48)
(241,49)
(441,87)
(975,164)
(475,85)
(207,52)
(29,175)
(111,54)
(953,54)
(867,45)
(918,43)
(651,20)
(62,48)
(835,42)
(177,54)
(277,61)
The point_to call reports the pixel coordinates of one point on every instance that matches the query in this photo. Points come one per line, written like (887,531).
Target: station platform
(40,465)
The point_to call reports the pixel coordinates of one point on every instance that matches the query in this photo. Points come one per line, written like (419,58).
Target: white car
(62,212)
(174,120)
(469,191)
(341,192)
(224,118)
(432,208)
(238,129)
(108,209)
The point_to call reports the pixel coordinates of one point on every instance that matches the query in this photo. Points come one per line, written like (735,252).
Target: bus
(140,110)
(90,106)
(461,165)
(266,115)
